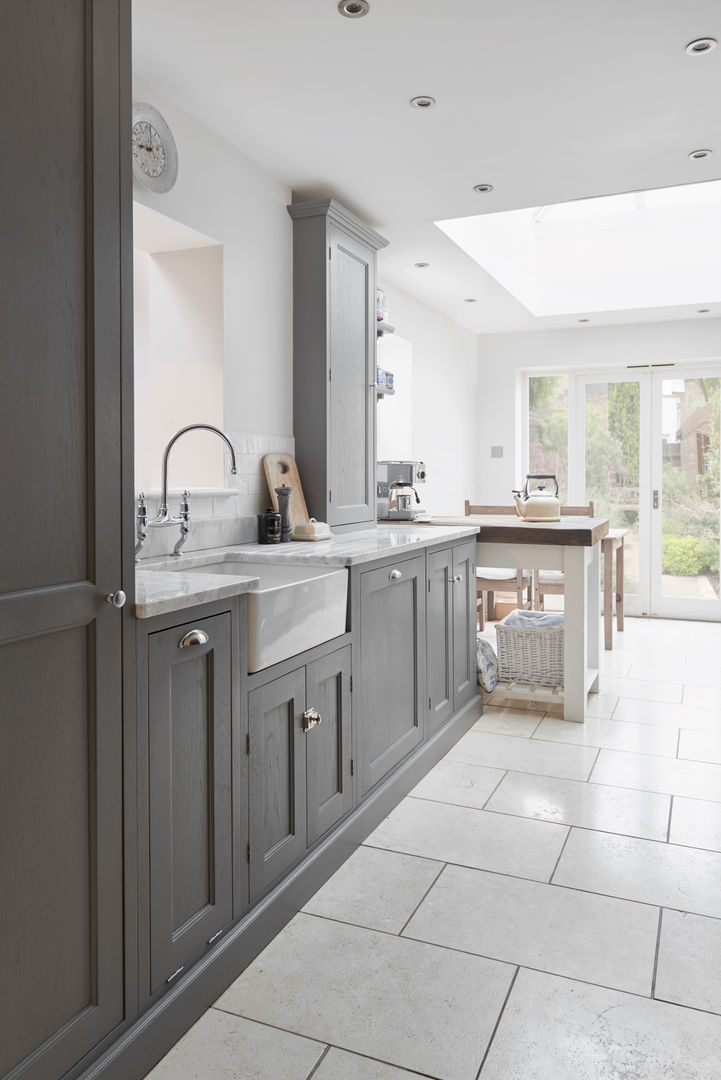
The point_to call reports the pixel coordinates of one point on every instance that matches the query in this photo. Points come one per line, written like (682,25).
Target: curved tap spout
(164,516)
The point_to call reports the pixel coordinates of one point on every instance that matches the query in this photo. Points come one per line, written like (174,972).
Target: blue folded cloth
(487,666)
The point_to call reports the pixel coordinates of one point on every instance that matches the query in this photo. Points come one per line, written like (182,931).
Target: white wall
(502,358)
(395,411)
(222,194)
(444,399)
(179,365)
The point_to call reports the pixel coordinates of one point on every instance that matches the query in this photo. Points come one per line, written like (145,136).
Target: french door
(647,453)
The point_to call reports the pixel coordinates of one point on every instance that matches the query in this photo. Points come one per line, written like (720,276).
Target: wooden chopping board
(281,469)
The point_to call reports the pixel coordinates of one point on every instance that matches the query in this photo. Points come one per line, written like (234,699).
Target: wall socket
(496,451)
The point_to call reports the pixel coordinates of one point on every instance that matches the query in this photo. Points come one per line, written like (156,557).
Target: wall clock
(155,157)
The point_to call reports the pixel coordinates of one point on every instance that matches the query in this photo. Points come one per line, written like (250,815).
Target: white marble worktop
(162,587)
(159,591)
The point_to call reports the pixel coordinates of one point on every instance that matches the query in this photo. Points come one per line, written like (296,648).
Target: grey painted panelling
(440,659)
(328,746)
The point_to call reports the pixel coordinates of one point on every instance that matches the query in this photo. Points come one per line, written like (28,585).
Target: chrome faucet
(164,517)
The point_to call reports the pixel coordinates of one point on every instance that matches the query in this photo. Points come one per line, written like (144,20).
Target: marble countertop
(162,587)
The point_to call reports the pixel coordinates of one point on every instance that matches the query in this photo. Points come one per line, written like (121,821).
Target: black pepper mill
(286,530)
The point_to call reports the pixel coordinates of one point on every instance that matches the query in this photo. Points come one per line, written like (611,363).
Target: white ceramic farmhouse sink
(293,608)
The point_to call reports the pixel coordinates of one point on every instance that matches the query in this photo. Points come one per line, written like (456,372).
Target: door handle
(311,719)
(455,580)
(117,599)
(395,575)
(194,637)
(655,500)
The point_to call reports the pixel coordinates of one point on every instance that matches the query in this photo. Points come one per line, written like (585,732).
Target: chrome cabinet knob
(194,637)
(455,580)
(117,599)
(395,575)
(311,719)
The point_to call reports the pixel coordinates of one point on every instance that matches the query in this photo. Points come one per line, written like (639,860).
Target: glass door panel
(687,411)
(612,478)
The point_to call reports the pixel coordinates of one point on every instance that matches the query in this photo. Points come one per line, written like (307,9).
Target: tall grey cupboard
(65,70)
(334,339)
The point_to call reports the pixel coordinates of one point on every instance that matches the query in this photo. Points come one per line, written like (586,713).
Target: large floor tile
(707,697)
(610,734)
(456,782)
(700,746)
(404,1002)
(696,823)
(340,1065)
(224,1047)
(557,1029)
(690,779)
(664,874)
(594,938)
(375,888)
(688,961)
(506,845)
(524,755)
(602,705)
(664,714)
(591,806)
(508,721)
(615,663)
(644,689)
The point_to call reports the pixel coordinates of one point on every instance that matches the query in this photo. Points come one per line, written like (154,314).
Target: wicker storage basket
(530,655)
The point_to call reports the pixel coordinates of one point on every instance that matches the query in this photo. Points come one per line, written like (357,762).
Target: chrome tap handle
(141,523)
(184,523)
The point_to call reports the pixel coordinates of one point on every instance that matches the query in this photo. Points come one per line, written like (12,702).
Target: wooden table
(572,545)
(612,541)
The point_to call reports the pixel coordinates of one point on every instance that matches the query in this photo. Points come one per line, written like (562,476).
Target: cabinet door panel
(189,706)
(392,684)
(464,624)
(277,779)
(328,745)
(440,660)
(352,369)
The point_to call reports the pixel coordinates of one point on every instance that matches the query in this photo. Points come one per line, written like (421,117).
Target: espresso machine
(396,492)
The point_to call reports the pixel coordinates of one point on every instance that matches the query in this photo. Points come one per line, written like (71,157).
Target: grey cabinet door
(464,624)
(352,399)
(440,659)
(61,809)
(189,734)
(391,691)
(328,744)
(277,788)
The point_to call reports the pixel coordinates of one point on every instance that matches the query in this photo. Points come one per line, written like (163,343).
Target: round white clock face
(155,158)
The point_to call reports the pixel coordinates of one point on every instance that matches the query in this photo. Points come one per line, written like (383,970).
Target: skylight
(647,249)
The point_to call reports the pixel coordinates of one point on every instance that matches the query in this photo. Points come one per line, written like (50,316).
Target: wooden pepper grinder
(286,529)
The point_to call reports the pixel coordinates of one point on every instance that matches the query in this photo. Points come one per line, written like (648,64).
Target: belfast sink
(292,609)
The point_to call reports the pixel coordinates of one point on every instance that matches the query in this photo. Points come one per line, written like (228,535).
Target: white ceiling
(550,101)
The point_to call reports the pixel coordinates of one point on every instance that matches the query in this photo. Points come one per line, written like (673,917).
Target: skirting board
(150,1037)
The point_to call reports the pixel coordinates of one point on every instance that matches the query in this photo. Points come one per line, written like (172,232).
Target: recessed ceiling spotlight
(354,9)
(702,310)
(696,155)
(584,320)
(421,266)
(483,188)
(423,101)
(701,45)
(470,300)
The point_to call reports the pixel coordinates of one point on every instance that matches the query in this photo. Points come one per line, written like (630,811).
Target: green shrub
(687,556)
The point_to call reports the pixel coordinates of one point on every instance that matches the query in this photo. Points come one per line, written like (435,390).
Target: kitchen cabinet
(66,976)
(451,631)
(334,336)
(299,747)
(190,702)
(392,646)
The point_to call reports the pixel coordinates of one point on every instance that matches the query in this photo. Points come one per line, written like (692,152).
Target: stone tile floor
(545,905)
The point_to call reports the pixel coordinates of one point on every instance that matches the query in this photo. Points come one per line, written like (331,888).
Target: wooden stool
(613,541)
